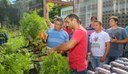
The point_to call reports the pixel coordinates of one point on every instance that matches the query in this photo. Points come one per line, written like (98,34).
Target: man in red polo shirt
(77,46)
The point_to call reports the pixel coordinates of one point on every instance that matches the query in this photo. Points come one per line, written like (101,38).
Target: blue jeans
(81,72)
(95,60)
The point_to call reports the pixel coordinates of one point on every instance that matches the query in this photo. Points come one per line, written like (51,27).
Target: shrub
(32,24)
(55,64)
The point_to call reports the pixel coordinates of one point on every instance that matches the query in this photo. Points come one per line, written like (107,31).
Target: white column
(125,7)
(100,8)
(91,9)
(86,14)
(114,6)
(118,6)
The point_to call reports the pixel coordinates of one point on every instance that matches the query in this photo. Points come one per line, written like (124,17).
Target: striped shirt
(56,38)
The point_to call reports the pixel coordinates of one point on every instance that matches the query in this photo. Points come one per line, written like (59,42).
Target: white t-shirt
(98,41)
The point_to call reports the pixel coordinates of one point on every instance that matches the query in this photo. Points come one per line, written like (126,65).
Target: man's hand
(113,40)
(102,59)
(51,50)
(88,57)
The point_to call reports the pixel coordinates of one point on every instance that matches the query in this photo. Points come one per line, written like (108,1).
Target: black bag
(3,38)
(90,66)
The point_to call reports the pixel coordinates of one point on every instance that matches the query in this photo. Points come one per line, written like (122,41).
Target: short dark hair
(93,18)
(73,16)
(98,22)
(115,18)
(56,16)
(80,21)
(60,20)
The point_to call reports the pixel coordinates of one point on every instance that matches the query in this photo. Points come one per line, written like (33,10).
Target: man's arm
(106,51)
(47,16)
(125,38)
(120,41)
(90,53)
(65,46)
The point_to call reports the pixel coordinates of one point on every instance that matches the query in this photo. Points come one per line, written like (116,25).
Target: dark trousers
(110,59)
(81,72)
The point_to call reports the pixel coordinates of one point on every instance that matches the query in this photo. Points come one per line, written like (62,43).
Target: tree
(5,3)
(11,13)
(56,10)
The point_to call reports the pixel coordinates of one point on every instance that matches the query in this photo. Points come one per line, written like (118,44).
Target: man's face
(68,22)
(97,26)
(57,25)
(112,22)
(92,22)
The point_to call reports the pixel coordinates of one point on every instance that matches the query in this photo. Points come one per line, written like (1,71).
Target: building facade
(66,11)
(87,8)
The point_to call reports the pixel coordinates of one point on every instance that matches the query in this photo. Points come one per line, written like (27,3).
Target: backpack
(3,38)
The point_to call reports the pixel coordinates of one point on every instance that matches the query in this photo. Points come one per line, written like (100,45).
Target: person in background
(100,44)
(51,25)
(77,46)
(126,47)
(90,30)
(118,38)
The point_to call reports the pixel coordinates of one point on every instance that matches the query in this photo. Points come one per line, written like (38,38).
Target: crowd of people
(93,44)
(90,46)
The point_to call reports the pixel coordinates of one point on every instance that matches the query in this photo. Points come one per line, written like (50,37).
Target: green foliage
(50,5)
(7,3)
(56,10)
(9,16)
(15,41)
(15,63)
(12,60)
(32,24)
(11,13)
(3,30)
(55,64)
(15,44)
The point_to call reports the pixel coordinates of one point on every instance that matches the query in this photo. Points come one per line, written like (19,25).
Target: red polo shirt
(77,55)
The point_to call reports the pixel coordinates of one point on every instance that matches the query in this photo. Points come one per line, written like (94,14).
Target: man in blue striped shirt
(57,35)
